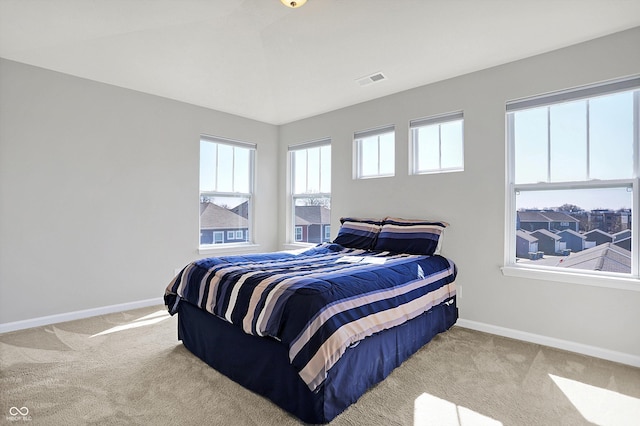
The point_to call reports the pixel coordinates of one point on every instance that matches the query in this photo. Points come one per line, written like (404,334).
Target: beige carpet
(129,369)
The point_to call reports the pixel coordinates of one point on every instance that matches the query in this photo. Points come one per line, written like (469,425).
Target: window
(327,232)
(437,144)
(226,190)
(310,190)
(374,153)
(573,180)
(218,237)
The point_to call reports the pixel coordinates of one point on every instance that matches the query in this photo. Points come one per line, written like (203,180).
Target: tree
(570,208)
(317,201)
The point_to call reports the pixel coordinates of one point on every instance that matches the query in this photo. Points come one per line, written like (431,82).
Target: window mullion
(635,219)
(440,146)
(636,134)
(548,144)
(306,171)
(215,175)
(319,169)
(233,169)
(378,153)
(588,141)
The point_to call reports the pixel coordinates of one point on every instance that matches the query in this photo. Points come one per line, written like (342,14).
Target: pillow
(363,220)
(358,233)
(410,236)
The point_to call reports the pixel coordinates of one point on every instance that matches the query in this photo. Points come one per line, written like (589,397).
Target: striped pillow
(358,233)
(410,236)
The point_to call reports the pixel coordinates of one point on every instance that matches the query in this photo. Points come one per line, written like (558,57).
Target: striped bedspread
(319,302)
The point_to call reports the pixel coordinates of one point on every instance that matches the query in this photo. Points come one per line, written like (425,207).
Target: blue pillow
(410,236)
(358,233)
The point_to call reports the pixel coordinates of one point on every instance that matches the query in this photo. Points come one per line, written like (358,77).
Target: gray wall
(473,201)
(99,190)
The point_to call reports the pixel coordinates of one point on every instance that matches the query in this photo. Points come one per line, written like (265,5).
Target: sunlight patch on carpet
(431,410)
(598,405)
(146,320)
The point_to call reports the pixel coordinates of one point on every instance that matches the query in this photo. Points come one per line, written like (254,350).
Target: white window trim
(290,233)
(213,238)
(229,248)
(213,247)
(413,146)
(357,151)
(592,278)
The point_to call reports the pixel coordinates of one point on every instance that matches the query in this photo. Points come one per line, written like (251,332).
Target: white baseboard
(566,345)
(70,316)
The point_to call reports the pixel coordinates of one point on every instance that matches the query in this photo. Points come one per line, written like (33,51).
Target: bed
(313,331)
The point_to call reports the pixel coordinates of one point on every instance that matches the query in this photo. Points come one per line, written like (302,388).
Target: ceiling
(261,60)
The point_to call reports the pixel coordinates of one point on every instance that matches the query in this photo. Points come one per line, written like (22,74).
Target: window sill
(229,248)
(298,246)
(609,281)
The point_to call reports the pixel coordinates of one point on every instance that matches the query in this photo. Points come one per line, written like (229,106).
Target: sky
(565,143)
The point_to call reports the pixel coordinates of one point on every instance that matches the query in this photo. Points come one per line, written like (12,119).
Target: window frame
(358,138)
(327,232)
(214,233)
(252,147)
(434,120)
(294,197)
(577,276)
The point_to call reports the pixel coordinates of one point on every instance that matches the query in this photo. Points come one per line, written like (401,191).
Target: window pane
(531,149)
(207,166)
(325,169)
(313,164)
(568,127)
(225,168)
(369,156)
(587,229)
(242,170)
(312,215)
(224,219)
(387,154)
(451,145)
(428,154)
(299,167)
(611,136)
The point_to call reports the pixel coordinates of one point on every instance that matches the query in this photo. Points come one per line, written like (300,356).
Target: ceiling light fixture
(293,4)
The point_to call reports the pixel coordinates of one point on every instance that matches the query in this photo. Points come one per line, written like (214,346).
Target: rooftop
(605,257)
(213,216)
(545,216)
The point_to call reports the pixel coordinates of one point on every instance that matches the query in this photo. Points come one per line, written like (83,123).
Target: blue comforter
(318,302)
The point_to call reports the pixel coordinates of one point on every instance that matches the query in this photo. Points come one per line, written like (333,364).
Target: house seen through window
(310,166)
(574,167)
(226,190)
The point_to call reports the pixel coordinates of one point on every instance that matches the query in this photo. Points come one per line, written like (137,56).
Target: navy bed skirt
(262,365)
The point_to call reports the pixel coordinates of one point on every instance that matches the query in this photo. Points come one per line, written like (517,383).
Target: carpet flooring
(129,369)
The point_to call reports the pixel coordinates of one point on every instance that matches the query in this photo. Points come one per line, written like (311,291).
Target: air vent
(373,78)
